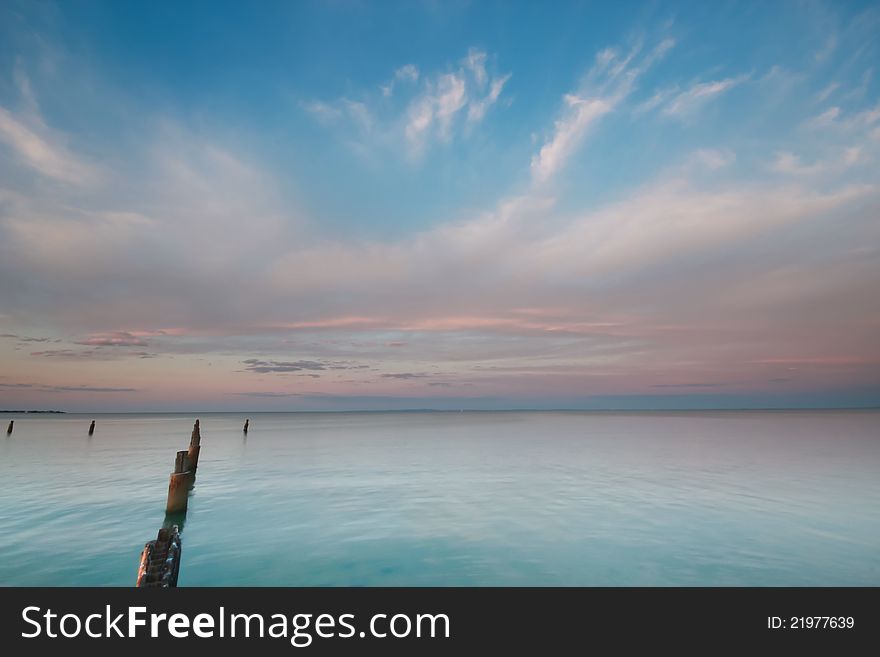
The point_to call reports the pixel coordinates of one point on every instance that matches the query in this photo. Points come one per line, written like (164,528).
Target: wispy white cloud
(25,89)
(478,108)
(610,80)
(476,64)
(824,119)
(569,132)
(654,101)
(406,73)
(711,158)
(827,91)
(435,108)
(867,117)
(323,112)
(360,114)
(44,150)
(790,164)
(688,101)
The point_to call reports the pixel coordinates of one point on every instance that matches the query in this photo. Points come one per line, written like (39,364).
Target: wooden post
(92,428)
(160,560)
(194,447)
(9,428)
(246,423)
(179,484)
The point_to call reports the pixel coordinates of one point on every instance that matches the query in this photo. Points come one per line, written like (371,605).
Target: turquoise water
(738,498)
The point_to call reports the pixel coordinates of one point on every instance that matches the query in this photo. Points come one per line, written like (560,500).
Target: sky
(347,205)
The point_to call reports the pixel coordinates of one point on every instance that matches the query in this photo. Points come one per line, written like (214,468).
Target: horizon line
(464,410)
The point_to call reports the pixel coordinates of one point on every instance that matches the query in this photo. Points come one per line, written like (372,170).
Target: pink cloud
(114,339)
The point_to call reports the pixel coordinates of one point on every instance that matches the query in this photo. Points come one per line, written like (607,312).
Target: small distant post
(194,447)
(92,428)
(179,484)
(9,428)
(246,423)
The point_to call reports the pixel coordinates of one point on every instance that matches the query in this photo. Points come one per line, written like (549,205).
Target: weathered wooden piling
(246,423)
(160,560)
(9,428)
(179,484)
(92,428)
(194,447)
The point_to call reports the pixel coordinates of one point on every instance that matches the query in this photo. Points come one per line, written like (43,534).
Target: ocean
(784,498)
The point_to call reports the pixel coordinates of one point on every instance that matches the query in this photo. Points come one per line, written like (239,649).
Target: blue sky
(371,205)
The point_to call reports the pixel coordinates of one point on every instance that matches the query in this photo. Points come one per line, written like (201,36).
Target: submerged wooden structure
(160,560)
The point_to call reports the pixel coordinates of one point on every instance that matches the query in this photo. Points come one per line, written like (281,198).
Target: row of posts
(11,426)
(195,437)
(182,478)
(160,558)
(185,465)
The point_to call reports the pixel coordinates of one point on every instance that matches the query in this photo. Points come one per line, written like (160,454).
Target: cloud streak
(43,150)
(114,339)
(274,366)
(608,83)
(405,376)
(61,388)
(406,73)
(437,107)
(686,102)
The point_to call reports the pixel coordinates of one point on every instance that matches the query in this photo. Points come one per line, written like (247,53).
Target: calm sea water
(740,498)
